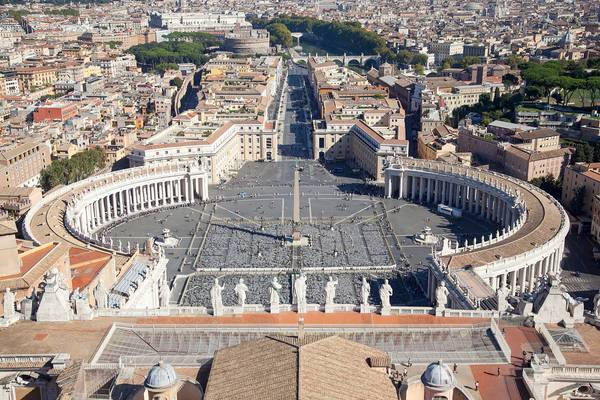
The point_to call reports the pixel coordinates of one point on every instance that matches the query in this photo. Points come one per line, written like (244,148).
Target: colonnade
(471,196)
(112,198)
(488,196)
(522,279)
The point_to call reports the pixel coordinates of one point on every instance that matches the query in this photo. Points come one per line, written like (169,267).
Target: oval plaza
(520,236)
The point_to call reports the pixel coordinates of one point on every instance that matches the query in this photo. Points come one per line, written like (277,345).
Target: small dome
(438,376)
(161,376)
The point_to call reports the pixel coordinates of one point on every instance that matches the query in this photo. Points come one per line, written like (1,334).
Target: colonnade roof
(47,222)
(542,224)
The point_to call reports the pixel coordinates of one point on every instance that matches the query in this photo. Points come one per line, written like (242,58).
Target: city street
(295,141)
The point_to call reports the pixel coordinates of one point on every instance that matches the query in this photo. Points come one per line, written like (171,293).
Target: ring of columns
(528,245)
(95,202)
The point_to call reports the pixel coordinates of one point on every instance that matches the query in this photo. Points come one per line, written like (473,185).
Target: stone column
(522,272)
(204,189)
(103,210)
(552,257)
(513,282)
(388,186)
(413,189)
(428,190)
(531,274)
(401,192)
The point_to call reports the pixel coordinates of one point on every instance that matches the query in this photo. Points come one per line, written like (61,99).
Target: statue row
(300,285)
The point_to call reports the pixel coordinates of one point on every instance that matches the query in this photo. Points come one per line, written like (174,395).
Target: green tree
(280,34)
(419,69)
(468,61)
(419,58)
(176,82)
(510,80)
(163,67)
(67,171)
(549,184)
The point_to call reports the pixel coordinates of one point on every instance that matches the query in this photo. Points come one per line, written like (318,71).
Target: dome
(438,376)
(161,376)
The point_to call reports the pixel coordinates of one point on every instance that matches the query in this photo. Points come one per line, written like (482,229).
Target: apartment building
(438,143)
(55,111)
(524,155)
(595,228)
(221,150)
(33,78)
(581,175)
(21,163)
(443,50)
(466,95)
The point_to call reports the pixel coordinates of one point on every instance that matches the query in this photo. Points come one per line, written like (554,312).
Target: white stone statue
(502,294)
(441,296)
(9,304)
(274,295)
(101,295)
(300,293)
(216,297)
(241,289)
(164,294)
(385,292)
(330,291)
(365,291)
(597,305)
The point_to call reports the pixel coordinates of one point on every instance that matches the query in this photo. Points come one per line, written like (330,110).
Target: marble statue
(241,289)
(596,305)
(101,295)
(502,294)
(300,292)
(441,296)
(274,295)
(365,291)
(216,297)
(164,294)
(330,291)
(385,292)
(9,304)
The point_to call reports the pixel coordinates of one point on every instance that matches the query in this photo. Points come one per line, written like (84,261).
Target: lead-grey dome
(161,376)
(438,376)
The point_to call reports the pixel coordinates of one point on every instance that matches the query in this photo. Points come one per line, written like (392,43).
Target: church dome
(161,376)
(438,376)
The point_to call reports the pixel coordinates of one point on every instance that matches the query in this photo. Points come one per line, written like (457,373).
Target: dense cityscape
(315,199)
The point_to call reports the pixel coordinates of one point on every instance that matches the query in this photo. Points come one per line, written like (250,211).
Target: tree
(550,185)
(578,201)
(280,34)
(510,80)
(419,69)
(178,82)
(533,92)
(469,60)
(419,58)
(515,60)
(67,171)
(497,98)
(163,67)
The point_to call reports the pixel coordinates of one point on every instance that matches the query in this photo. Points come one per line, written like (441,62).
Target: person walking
(477,386)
